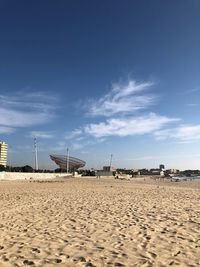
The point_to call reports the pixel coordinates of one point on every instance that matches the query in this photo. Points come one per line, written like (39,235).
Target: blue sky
(101,77)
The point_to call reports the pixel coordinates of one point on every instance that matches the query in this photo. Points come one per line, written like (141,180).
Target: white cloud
(31,100)
(40,134)
(123,98)
(77,146)
(26,109)
(59,146)
(128,126)
(192,105)
(6,130)
(193,90)
(84,142)
(183,133)
(62,146)
(74,134)
(14,118)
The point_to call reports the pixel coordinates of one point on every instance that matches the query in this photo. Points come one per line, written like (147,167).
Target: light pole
(36,154)
(111,157)
(67,160)
(10,160)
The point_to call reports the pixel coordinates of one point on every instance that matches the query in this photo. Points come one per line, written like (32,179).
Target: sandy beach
(99,222)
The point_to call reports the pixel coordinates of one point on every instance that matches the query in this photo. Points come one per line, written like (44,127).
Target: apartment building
(3,153)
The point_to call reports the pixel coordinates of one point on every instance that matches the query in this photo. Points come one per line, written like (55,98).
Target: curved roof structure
(61,161)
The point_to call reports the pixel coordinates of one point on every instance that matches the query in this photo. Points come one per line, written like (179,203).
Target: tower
(111,157)
(36,154)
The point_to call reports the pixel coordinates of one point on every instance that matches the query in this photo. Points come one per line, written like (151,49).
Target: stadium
(65,162)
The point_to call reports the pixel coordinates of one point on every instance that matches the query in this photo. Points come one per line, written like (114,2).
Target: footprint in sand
(36,250)
(28,262)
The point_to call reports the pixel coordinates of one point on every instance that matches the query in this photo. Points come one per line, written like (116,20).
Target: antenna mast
(36,154)
(67,160)
(111,157)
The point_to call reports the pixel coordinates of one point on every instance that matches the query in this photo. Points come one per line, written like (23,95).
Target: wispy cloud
(74,134)
(6,130)
(192,105)
(85,142)
(63,145)
(77,146)
(193,90)
(60,146)
(14,118)
(123,98)
(31,100)
(183,133)
(40,134)
(120,106)
(26,109)
(128,126)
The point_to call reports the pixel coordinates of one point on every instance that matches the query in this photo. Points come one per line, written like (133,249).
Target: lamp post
(10,160)
(111,157)
(67,160)
(36,154)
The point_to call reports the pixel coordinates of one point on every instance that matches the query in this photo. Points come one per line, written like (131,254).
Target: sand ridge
(99,222)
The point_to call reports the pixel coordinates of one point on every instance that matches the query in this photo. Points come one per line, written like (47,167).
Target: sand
(99,222)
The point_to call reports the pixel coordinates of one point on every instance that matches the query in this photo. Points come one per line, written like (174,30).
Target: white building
(3,153)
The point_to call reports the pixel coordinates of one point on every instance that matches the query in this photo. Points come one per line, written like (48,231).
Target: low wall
(104,173)
(30,175)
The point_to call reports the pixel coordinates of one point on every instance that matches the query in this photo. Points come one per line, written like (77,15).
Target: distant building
(154,171)
(106,168)
(162,167)
(107,171)
(3,153)
(143,172)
